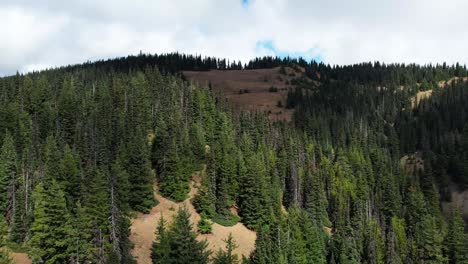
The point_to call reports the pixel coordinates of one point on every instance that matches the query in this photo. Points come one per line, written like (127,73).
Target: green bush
(226,220)
(204,225)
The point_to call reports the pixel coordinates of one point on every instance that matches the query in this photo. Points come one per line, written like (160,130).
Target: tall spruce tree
(51,227)
(8,177)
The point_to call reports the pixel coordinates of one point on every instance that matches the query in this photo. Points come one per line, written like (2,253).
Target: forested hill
(82,145)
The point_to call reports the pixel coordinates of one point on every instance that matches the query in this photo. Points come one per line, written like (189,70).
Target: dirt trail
(144,226)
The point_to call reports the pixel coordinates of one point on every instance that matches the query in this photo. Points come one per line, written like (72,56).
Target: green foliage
(227,256)
(3,231)
(252,192)
(227,219)
(178,244)
(204,200)
(140,177)
(5,256)
(457,239)
(8,173)
(204,225)
(161,249)
(50,229)
(174,182)
(78,138)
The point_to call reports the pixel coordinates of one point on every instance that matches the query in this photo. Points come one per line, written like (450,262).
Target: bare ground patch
(20,258)
(250,89)
(144,226)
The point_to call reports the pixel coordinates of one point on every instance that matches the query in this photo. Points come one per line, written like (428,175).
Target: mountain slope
(144,226)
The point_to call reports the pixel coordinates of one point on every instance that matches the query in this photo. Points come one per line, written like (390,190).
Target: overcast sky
(37,34)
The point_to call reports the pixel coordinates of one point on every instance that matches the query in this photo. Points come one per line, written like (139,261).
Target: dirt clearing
(144,226)
(20,258)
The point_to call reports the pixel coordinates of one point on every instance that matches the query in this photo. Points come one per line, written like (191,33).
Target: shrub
(273,89)
(204,225)
(226,220)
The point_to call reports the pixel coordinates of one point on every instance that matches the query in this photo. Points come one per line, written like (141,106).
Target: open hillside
(262,90)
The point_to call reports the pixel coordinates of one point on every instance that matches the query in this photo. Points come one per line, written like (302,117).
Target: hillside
(91,155)
(144,226)
(254,90)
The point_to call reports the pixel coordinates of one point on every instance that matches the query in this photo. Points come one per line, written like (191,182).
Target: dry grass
(426,94)
(144,226)
(257,82)
(420,96)
(20,258)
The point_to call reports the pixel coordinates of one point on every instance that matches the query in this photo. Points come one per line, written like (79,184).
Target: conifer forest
(366,170)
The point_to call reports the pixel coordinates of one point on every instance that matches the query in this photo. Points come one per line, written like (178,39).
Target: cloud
(42,33)
(268,48)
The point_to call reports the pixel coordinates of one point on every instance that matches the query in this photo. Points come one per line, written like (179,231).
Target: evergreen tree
(71,176)
(204,225)
(174,182)
(4,253)
(184,247)
(8,176)
(161,250)
(457,240)
(139,173)
(50,229)
(227,256)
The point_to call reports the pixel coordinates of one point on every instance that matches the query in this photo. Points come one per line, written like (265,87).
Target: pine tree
(227,256)
(52,158)
(4,253)
(204,225)
(80,246)
(8,176)
(457,240)
(183,243)
(252,193)
(432,241)
(139,172)
(160,253)
(173,181)
(50,229)
(71,176)
(204,199)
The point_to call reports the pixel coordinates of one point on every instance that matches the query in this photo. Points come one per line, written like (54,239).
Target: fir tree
(457,240)
(227,256)
(8,176)
(50,229)
(184,246)
(160,253)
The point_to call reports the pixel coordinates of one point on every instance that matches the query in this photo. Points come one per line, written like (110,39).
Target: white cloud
(39,33)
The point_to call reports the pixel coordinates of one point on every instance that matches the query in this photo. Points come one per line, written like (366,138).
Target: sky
(39,34)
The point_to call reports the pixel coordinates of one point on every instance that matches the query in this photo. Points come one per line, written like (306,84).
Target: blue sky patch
(268,48)
(245,3)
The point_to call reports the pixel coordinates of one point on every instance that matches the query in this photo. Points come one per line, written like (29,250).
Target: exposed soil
(20,258)
(144,226)
(426,94)
(250,89)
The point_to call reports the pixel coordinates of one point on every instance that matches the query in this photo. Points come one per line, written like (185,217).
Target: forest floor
(144,226)
(250,89)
